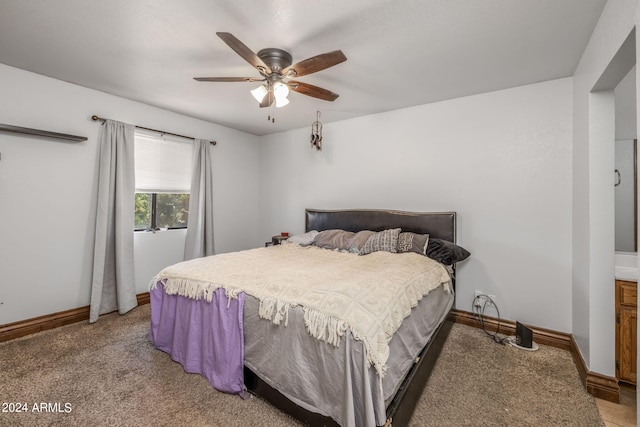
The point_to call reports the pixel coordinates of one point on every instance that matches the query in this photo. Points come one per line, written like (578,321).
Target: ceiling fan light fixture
(281,102)
(259,93)
(280,90)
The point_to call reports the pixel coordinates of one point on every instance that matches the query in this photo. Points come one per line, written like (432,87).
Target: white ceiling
(400,53)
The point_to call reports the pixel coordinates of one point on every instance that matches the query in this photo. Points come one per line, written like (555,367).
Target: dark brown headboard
(441,225)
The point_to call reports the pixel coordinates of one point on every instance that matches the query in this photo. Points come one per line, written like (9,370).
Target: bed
(316,363)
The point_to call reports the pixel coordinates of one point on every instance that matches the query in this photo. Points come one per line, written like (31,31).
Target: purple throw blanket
(205,338)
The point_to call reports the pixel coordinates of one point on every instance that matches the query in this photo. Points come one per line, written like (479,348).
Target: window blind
(162,166)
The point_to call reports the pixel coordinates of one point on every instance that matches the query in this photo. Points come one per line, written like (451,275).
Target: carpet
(109,374)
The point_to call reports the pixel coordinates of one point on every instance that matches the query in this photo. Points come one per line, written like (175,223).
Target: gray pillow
(412,242)
(304,239)
(386,240)
(342,240)
(333,239)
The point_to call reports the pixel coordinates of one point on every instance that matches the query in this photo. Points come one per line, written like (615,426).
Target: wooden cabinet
(626,332)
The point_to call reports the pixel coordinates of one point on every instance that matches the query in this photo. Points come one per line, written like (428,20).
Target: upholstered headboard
(441,225)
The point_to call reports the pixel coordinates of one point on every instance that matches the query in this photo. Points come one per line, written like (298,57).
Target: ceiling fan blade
(311,90)
(267,100)
(228,79)
(315,63)
(246,53)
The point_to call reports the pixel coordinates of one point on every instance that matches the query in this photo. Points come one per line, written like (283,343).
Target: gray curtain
(113,286)
(199,240)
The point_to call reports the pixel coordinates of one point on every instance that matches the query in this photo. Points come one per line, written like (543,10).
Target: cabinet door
(628,344)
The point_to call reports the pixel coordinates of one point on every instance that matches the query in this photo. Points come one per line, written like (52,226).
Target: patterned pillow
(359,239)
(386,240)
(412,242)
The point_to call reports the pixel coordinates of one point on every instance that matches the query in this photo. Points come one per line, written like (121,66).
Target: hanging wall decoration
(316,133)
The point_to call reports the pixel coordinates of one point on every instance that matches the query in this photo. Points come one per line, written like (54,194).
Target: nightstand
(276,240)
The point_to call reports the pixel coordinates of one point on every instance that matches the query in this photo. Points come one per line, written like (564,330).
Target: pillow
(342,240)
(359,239)
(386,240)
(304,239)
(445,252)
(412,242)
(333,239)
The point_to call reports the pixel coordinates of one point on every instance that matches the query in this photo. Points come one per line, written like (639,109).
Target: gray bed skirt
(336,381)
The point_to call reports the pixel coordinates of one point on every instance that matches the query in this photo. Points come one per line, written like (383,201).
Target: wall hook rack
(38,132)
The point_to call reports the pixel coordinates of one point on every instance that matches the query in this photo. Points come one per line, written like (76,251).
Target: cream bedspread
(369,294)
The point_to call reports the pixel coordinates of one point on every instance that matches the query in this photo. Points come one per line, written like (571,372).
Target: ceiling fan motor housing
(276,59)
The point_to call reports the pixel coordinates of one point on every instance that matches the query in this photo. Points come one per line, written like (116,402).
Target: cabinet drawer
(628,293)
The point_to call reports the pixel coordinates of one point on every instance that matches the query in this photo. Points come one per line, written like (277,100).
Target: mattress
(335,333)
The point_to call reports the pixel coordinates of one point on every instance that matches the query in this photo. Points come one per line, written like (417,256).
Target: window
(163,182)
(155,211)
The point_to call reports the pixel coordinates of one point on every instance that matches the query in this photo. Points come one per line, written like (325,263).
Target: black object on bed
(401,407)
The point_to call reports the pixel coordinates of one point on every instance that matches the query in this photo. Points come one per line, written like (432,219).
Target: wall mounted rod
(96,118)
(45,133)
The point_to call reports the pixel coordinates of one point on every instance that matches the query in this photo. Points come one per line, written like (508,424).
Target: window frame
(153,219)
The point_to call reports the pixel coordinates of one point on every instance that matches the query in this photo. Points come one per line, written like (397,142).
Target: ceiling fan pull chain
(273,113)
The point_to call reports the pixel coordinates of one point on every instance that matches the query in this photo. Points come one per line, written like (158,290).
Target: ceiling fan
(274,66)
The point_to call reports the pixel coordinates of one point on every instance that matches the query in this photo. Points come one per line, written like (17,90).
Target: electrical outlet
(477,302)
(480,298)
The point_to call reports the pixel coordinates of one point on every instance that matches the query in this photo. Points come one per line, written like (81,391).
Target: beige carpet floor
(109,374)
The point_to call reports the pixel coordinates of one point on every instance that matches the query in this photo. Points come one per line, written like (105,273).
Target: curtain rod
(96,118)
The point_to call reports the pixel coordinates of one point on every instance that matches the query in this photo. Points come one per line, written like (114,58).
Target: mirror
(625,196)
(625,175)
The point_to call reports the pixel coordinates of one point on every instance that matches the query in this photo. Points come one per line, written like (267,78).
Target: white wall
(625,92)
(502,160)
(47,191)
(153,252)
(592,218)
